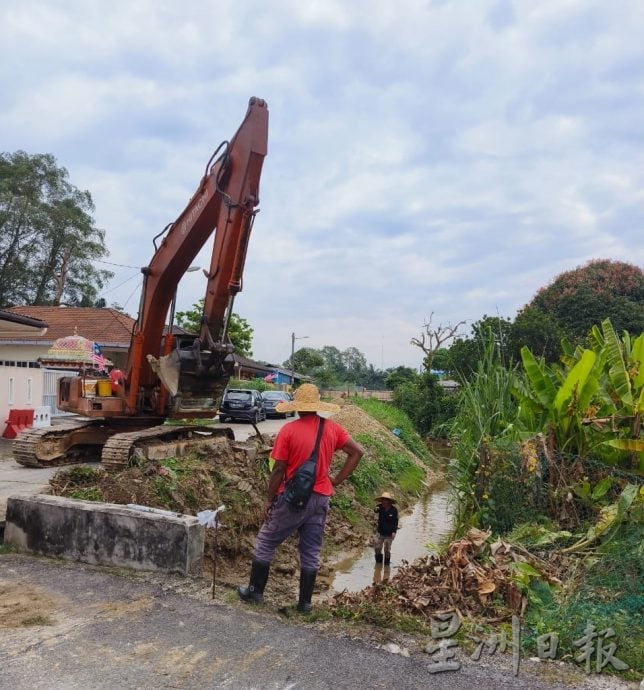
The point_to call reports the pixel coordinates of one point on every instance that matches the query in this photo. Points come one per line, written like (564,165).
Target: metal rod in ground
(214,558)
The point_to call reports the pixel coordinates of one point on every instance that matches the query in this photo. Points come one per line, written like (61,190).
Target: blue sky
(424,157)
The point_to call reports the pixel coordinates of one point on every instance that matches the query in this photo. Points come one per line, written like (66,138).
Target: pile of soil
(233,474)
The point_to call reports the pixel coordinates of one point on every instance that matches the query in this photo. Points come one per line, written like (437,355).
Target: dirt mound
(357,422)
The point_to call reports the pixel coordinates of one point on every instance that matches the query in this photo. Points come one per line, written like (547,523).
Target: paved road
(16,479)
(98,629)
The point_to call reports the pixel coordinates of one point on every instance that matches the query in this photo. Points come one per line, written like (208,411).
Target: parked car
(272,398)
(242,404)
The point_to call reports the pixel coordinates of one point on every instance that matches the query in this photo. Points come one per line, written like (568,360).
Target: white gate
(50,389)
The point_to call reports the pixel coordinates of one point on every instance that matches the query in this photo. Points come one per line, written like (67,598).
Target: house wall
(21,388)
(29,353)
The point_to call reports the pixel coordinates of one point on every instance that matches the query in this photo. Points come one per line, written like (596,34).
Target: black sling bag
(299,487)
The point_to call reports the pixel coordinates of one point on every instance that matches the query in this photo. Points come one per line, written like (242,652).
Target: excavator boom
(225,203)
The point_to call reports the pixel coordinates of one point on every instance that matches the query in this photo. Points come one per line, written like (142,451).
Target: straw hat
(387,495)
(306,399)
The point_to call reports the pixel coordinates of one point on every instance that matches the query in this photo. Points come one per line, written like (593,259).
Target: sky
(427,159)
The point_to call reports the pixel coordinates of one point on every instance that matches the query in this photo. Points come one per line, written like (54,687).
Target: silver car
(272,398)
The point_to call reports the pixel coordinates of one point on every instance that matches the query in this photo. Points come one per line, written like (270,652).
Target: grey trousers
(283,521)
(381,540)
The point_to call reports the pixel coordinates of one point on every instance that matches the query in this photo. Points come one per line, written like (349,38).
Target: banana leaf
(617,372)
(634,445)
(631,445)
(538,378)
(576,381)
(637,355)
(610,516)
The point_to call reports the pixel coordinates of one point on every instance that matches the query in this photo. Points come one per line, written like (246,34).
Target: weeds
(393,418)
(90,493)
(382,467)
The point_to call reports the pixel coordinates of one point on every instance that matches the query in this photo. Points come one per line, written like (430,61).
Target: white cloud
(422,156)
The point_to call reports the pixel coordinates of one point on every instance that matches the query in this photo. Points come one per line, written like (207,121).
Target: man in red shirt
(293,446)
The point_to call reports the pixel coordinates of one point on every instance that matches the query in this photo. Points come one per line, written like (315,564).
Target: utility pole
(293,339)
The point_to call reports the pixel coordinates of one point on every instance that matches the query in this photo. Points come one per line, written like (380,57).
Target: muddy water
(419,532)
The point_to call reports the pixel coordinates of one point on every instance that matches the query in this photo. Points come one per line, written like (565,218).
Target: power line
(133,291)
(107,292)
(111,263)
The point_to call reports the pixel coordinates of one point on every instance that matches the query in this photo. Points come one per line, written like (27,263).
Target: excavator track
(162,441)
(50,446)
(73,441)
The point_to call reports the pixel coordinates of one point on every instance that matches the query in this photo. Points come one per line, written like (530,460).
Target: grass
(82,474)
(381,468)
(344,505)
(393,418)
(90,493)
(607,592)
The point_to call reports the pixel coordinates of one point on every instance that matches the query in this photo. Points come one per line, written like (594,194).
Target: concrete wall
(105,534)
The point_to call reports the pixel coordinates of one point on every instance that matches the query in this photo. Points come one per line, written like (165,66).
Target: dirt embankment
(229,475)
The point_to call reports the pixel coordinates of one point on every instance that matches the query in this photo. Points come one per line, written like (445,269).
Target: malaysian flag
(97,358)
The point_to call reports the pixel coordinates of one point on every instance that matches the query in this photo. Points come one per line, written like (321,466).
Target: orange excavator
(168,379)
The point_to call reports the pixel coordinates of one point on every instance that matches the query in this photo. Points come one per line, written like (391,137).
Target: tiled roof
(105,326)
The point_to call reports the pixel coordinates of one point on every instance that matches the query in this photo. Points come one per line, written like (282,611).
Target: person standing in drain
(293,446)
(387,526)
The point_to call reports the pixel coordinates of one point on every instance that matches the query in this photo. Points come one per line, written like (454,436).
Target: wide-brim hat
(386,495)
(306,399)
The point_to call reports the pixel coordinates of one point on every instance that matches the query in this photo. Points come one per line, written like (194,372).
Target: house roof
(13,325)
(108,327)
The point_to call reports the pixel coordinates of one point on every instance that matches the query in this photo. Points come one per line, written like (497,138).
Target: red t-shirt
(294,444)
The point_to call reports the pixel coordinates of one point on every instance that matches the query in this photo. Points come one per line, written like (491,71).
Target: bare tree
(433,337)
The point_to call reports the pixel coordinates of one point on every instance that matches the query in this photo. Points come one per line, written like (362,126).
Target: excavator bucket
(167,368)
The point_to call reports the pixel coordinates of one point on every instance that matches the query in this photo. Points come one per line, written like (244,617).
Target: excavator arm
(194,376)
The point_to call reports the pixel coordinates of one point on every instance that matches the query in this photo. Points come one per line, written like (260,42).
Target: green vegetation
(394,418)
(240,331)
(604,588)
(89,493)
(82,474)
(381,467)
(256,384)
(82,482)
(550,456)
(49,241)
(344,504)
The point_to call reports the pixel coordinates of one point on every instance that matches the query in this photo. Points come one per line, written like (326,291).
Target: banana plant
(623,389)
(557,400)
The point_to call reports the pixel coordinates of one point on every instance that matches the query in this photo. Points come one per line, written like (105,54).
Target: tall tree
(401,374)
(433,337)
(239,330)
(333,358)
(354,363)
(48,238)
(586,296)
(307,361)
(465,353)
(539,331)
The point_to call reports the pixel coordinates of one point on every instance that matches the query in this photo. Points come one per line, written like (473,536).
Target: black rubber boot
(378,558)
(254,593)
(307,582)
(387,559)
